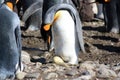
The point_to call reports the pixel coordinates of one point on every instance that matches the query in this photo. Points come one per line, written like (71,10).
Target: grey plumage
(10,43)
(49,17)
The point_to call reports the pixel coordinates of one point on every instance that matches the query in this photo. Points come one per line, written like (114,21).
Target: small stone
(72,72)
(106,73)
(38,65)
(89,65)
(117,79)
(47,54)
(84,77)
(25,57)
(34,75)
(20,75)
(116,68)
(51,75)
(119,74)
(35,57)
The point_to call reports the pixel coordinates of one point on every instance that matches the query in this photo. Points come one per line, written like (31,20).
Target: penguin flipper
(32,9)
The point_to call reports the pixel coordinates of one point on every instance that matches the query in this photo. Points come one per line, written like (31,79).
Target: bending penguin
(63,23)
(46,35)
(10,42)
(32,13)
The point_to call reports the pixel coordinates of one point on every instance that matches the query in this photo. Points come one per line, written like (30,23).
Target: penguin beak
(47,27)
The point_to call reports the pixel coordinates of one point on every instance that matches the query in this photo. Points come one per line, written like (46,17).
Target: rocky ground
(101,62)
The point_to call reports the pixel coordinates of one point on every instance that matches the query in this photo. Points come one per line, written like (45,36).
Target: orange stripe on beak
(10,5)
(47,27)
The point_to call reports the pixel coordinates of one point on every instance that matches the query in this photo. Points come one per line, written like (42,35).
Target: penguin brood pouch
(66,31)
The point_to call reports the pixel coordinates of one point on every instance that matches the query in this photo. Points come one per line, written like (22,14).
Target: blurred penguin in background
(97,9)
(62,28)
(10,41)
(31,13)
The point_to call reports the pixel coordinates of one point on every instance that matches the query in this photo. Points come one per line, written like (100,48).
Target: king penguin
(62,23)
(46,35)
(10,41)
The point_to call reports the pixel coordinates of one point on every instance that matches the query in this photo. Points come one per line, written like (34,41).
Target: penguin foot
(114,30)
(73,61)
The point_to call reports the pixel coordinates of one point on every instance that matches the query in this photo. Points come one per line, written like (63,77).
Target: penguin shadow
(30,36)
(99,29)
(106,38)
(33,49)
(108,48)
(35,52)
(23,28)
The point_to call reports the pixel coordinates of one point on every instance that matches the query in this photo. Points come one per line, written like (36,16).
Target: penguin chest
(64,35)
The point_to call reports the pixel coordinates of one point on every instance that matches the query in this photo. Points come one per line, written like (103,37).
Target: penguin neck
(10,5)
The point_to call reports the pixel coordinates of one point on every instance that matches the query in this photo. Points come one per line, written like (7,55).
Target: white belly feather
(65,39)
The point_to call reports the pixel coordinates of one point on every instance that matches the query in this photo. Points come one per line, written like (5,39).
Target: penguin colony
(59,24)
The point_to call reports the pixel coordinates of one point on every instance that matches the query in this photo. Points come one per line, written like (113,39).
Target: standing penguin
(63,24)
(10,41)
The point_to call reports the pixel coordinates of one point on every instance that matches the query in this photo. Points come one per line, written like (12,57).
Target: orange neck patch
(47,27)
(10,5)
(57,15)
(107,0)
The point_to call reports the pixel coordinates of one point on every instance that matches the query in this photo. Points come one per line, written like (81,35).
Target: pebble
(34,75)
(50,75)
(25,57)
(106,73)
(72,72)
(20,75)
(89,65)
(87,70)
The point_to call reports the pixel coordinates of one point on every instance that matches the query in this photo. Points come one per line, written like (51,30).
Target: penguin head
(46,25)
